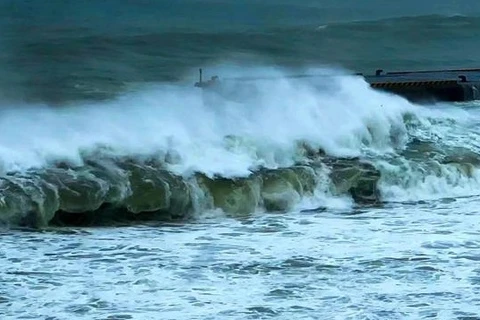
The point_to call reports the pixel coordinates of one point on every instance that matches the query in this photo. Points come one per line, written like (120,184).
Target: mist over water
(270,116)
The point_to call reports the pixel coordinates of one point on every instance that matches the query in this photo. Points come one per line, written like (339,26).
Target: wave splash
(171,151)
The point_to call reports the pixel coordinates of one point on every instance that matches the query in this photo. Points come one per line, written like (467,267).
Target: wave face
(173,151)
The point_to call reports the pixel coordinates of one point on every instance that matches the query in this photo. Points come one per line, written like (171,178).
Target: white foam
(448,127)
(414,185)
(342,115)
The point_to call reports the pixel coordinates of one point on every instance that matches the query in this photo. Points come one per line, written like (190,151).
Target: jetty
(456,85)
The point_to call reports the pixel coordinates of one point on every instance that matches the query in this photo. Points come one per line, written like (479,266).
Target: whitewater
(283,198)
(272,117)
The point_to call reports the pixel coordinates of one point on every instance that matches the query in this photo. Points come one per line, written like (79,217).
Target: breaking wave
(174,151)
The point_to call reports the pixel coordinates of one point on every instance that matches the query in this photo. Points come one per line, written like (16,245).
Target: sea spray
(342,121)
(171,151)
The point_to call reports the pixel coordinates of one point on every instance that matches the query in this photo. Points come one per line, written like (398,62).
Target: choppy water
(406,261)
(70,50)
(126,193)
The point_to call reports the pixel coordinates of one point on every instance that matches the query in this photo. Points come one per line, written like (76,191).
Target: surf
(169,152)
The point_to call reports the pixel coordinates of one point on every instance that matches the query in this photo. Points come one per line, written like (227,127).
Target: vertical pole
(200,72)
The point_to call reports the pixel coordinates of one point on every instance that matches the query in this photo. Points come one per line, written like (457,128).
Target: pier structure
(442,85)
(455,85)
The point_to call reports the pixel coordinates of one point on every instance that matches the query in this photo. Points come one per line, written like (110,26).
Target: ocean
(128,193)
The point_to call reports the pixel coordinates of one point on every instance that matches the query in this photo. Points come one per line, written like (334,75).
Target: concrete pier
(455,85)
(442,85)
